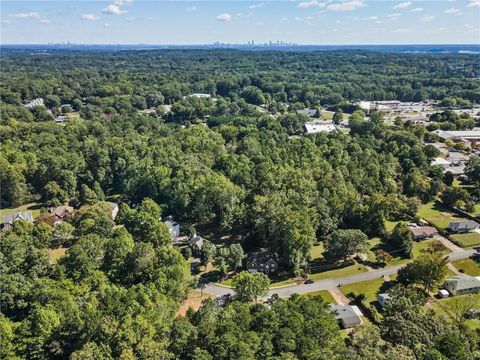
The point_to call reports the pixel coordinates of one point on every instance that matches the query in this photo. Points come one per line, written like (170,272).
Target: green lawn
(370,288)
(423,246)
(34,207)
(390,225)
(467,240)
(326,296)
(441,307)
(469,266)
(316,251)
(476,211)
(437,215)
(346,271)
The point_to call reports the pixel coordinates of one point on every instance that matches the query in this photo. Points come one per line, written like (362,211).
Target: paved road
(328,284)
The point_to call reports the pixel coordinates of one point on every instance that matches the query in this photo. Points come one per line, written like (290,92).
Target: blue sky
(233,21)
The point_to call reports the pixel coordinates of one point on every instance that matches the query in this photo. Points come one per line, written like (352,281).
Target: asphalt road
(327,284)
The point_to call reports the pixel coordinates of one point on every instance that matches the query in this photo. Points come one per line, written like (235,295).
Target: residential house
(34,102)
(197,244)
(438,161)
(461,285)
(61,118)
(423,232)
(173,227)
(460,227)
(308,112)
(348,316)
(383,298)
(113,209)
(8,220)
(262,261)
(61,213)
(318,127)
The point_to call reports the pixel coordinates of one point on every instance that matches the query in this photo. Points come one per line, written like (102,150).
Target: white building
(34,102)
(440,162)
(318,127)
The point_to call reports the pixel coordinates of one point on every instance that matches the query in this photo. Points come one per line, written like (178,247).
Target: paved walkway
(339,297)
(329,284)
(448,244)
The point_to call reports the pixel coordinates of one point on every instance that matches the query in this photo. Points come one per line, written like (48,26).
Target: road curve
(327,284)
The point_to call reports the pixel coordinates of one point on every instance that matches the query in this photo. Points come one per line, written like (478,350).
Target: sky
(316,22)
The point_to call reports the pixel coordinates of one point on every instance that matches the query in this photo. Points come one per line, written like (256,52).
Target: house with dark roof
(423,232)
(197,244)
(61,213)
(460,227)
(262,261)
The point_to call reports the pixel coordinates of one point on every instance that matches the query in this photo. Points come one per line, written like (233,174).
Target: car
(309,281)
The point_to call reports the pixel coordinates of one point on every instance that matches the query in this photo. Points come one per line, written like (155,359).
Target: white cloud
(452,11)
(307,4)
(417,9)
(401,30)
(427,18)
(123,2)
(113,9)
(372,18)
(45,21)
(191,9)
(224,17)
(28,15)
(106,25)
(90,17)
(256,6)
(130,18)
(394,16)
(346,6)
(402,5)
(474,3)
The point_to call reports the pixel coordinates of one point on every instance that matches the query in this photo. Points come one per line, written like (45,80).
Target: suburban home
(318,127)
(462,226)
(438,161)
(262,261)
(197,243)
(173,227)
(461,285)
(348,316)
(308,112)
(383,298)
(61,119)
(61,213)
(113,209)
(8,220)
(34,102)
(423,232)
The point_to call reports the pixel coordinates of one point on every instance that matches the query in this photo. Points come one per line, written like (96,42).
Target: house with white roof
(319,127)
(461,285)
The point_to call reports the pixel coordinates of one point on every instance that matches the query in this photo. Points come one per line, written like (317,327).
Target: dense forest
(220,165)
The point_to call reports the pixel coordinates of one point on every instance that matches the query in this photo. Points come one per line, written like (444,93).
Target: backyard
(447,307)
(467,240)
(437,215)
(34,207)
(468,266)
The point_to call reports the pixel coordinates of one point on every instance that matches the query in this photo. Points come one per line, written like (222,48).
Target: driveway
(329,284)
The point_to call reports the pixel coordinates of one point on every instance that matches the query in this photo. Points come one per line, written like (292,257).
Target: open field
(443,307)
(467,240)
(346,271)
(194,300)
(370,288)
(437,215)
(34,207)
(316,251)
(324,294)
(56,254)
(469,266)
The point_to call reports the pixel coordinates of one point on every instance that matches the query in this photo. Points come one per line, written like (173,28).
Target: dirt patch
(56,254)
(193,300)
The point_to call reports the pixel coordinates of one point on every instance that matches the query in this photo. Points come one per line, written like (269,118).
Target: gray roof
(19,215)
(463,282)
(308,112)
(256,259)
(346,314)
(463,225)
(421,231)
(197,241)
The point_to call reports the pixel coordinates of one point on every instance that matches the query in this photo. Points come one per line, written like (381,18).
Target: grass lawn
(56,254)
(476,211)
(370,288)
(316,252)
(34,207)
(390,225)
(324,294)
(469,266)
(441,307)
(346,271)
(437,215)
(467,240)
(423,246)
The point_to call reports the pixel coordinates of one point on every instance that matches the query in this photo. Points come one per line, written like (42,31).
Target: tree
(249,287)
(338,117)
(376,117)
(472,169)
(427,271)
(455,197)
(402,238)
(345,243)
(87,195)
(53,194)
(207,254)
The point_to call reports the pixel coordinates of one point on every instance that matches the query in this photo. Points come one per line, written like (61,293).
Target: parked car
(309,281)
